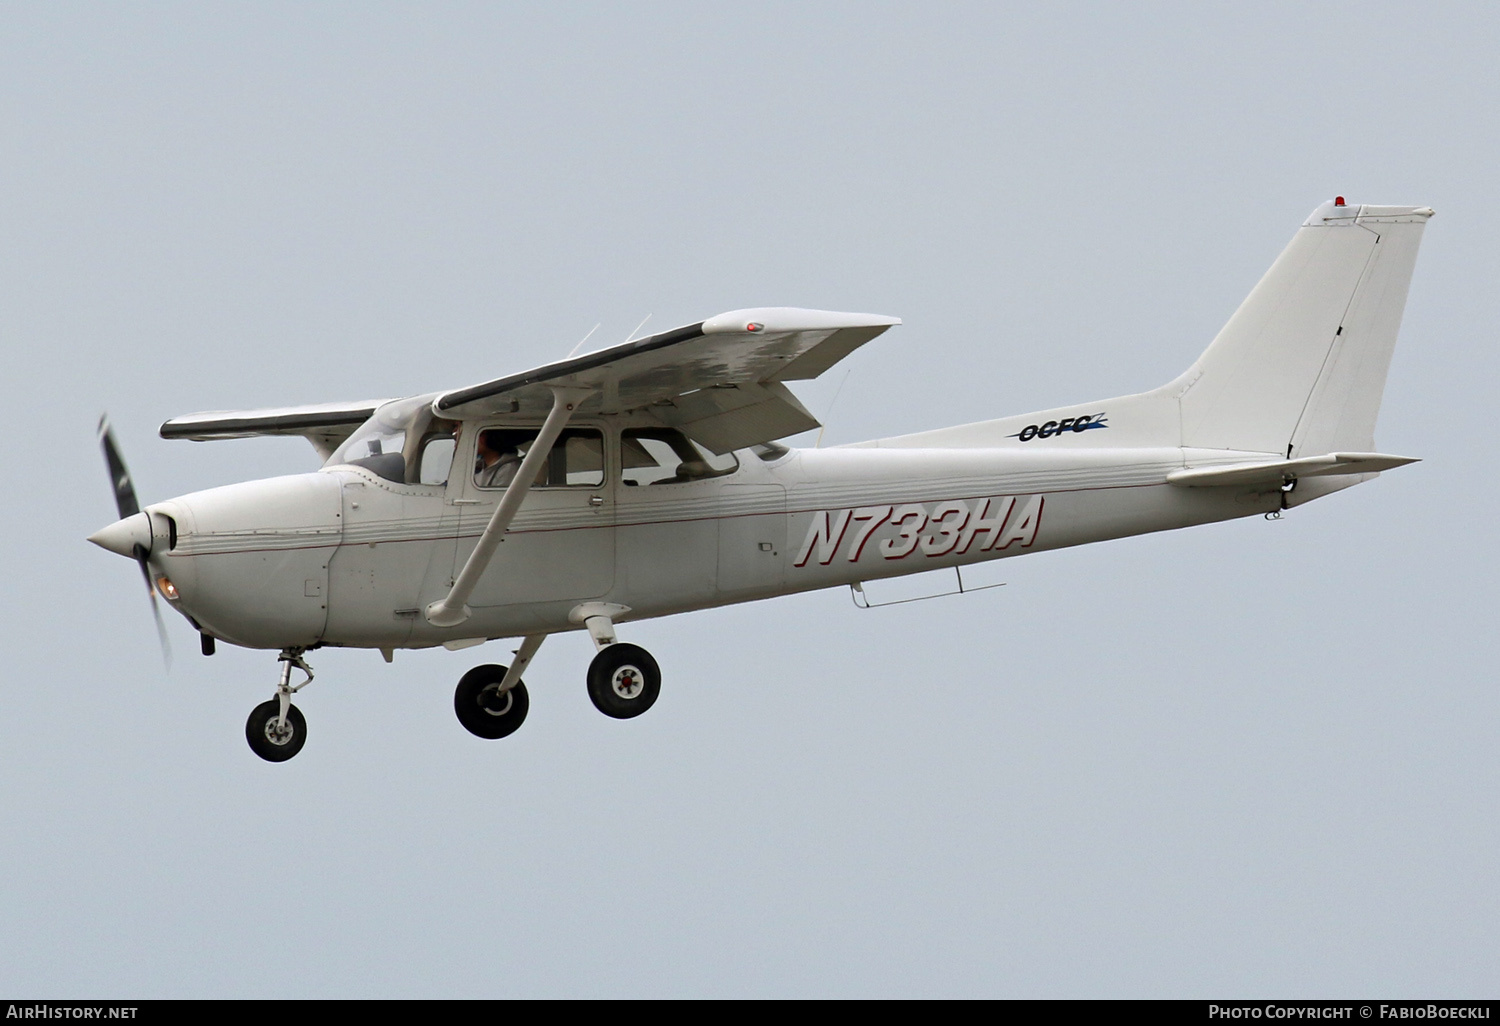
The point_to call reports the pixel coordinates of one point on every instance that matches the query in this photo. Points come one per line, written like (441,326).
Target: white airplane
(645,479)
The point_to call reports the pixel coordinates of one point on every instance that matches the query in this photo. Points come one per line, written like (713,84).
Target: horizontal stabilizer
(1278,472)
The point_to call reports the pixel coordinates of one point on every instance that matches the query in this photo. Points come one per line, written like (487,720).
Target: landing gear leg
(276,730)
(624,681)
(491,701)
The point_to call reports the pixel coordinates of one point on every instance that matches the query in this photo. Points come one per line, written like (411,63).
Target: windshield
(381,443)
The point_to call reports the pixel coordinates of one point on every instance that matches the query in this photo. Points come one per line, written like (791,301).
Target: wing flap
(732,417)
(1276,472)
(750,349)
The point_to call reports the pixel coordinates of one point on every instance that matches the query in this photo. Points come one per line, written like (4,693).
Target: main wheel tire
(624,681)
(269,743)
(481,708)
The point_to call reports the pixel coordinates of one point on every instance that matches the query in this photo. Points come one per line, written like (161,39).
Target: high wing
(719,381)
(325,425)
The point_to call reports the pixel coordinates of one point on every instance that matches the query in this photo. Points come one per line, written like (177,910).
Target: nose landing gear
(276,730)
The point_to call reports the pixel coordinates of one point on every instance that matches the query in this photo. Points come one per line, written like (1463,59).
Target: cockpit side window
(436,459)
(576,459)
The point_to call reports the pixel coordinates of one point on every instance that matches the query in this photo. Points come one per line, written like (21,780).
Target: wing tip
(792,318)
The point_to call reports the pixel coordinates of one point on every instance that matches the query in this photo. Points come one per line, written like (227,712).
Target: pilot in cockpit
(498,461)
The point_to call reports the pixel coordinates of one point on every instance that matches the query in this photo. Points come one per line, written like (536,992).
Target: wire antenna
(638,327)
(829,414)
(584,339)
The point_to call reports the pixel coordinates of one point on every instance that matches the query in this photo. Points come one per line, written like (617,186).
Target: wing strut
(451,610)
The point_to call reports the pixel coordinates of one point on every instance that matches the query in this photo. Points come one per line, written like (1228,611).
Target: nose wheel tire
(483,710)
(624,681)
(271,741)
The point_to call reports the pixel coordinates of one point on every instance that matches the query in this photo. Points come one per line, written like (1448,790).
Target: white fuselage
(344,557)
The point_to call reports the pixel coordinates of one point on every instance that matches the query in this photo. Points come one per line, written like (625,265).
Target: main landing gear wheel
(483,710)
(623,681)
(271,741)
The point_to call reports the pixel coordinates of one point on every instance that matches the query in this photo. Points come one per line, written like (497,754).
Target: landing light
(167,588)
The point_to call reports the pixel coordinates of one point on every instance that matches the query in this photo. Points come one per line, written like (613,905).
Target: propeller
(128,506)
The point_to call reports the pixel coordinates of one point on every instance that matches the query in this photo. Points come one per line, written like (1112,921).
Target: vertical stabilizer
(1299,370)
(1300,367)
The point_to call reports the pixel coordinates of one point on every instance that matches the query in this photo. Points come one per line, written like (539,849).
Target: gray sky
(1251,759)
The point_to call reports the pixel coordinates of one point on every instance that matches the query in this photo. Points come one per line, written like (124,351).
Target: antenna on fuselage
(581,341)
(638,327)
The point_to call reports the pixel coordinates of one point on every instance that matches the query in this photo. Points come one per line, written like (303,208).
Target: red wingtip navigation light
(1338,201)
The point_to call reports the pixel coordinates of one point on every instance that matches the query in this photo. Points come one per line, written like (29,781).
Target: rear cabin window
(662,456)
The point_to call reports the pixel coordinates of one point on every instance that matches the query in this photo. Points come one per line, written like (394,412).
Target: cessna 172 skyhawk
(646,479)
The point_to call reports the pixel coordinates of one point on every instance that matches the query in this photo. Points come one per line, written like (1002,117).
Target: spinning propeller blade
(119,477)
(126,503)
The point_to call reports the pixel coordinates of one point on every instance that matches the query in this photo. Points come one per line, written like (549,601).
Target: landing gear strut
(485,710)
(276,730)
(491,701)
(624,680)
